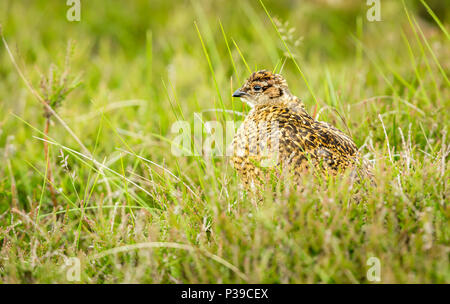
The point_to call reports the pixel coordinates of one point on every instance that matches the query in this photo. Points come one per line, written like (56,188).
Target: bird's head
(262,87)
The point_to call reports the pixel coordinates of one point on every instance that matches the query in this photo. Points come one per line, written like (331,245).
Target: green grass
(131,211)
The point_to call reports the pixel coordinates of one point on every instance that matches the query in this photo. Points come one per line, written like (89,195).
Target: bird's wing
(317,141)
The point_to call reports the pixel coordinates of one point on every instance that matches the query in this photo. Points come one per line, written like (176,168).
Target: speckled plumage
(279,133)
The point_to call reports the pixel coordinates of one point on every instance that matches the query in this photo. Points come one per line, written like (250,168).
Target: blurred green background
(132,50)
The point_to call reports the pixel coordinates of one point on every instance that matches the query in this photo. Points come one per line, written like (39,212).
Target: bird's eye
(257,88)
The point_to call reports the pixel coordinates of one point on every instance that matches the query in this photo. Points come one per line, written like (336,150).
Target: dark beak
(238,93)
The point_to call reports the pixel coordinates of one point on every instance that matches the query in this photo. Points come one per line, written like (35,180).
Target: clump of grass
(288,34)
(55,87)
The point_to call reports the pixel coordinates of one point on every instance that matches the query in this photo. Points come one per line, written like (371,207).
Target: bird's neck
(287,100)
(291,102)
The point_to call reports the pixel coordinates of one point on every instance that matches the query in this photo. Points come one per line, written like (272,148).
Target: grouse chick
(279,133)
